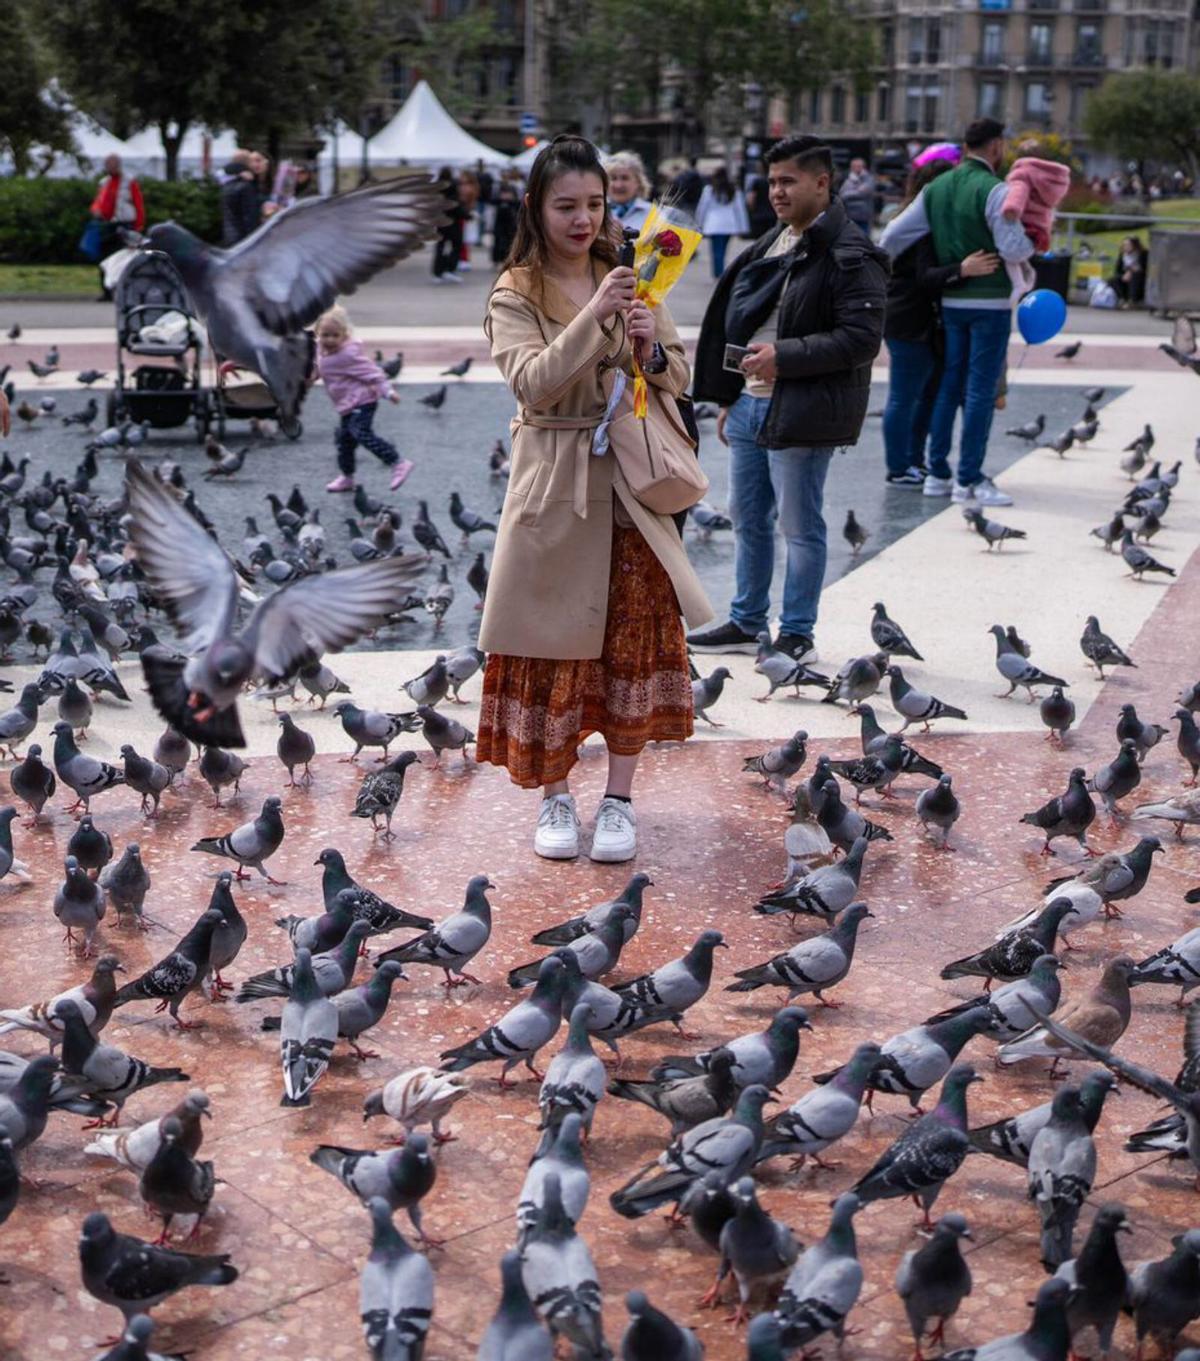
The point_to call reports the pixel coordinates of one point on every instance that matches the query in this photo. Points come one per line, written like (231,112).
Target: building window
(912,107)
(837,106)
(887,43)
(814,107)
(506,15)
(1037,99)
(1041,44)
(991,98)
(930,105)
(883,103)
(1080,94)
(862,106)
(1131,41)
(916,41)
(933,41)
(991,51)
(1087,43)
(505,79)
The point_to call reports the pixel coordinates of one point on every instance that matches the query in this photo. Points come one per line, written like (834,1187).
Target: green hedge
(41,219)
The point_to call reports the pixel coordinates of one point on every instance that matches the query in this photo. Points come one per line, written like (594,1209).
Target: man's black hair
(809,153)
(981,132)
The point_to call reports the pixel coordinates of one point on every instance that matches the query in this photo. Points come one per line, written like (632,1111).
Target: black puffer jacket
(914,290)
(830,327)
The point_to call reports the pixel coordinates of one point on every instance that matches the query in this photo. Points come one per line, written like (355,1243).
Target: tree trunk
(171,145)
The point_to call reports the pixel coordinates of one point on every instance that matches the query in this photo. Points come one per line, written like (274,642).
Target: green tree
(30,112)
(1148,116)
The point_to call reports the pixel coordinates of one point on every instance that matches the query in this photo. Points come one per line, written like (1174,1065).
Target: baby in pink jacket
(1035,189)
(355,385)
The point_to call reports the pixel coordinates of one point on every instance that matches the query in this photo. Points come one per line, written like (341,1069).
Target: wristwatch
(657,362)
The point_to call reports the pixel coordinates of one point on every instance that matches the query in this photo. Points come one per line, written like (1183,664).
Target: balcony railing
(1041,5)
(1039,57)
(1089,58)
(1090,6)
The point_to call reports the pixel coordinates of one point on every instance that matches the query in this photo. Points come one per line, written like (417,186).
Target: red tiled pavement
(711,839)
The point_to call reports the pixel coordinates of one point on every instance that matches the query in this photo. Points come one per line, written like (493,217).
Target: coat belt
(582,453)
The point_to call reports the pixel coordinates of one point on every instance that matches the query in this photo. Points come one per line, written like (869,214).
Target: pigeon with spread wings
(256,299)
(193,575)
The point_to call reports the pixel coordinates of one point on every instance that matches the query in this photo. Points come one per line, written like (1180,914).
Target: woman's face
(573,213)
(622,184)
(1129,245)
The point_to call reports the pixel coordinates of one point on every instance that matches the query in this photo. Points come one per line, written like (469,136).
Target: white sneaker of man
(936,486)
(983,493)
(557,835)
(615,837)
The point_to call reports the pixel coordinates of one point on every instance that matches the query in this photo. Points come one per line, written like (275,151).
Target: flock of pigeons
(151,549)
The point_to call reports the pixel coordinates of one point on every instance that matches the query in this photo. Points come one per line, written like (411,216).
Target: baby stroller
(154,321)
(251,399)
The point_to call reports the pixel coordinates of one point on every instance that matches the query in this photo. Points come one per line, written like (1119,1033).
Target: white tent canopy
(92,144)
(349,150)
(524,162)
(146,154)
(423,133)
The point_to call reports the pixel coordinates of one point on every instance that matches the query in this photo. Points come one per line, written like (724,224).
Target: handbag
(92,241)
(656,455)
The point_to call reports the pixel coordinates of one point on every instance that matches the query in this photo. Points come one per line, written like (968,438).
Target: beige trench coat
(548,590)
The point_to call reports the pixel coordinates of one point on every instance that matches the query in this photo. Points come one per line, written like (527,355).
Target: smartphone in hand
(734,355)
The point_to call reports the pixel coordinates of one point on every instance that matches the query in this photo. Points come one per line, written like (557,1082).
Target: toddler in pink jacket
(1035,189)
(355,385)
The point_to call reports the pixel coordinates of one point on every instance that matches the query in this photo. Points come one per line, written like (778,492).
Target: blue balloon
(1041,315)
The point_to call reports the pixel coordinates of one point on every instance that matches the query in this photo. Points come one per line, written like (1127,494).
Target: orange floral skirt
(536,711)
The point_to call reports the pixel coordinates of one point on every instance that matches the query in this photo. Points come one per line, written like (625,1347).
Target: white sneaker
(557,835)
(961,494)
(936,486)
(452,277)
(615,837)
(986,493)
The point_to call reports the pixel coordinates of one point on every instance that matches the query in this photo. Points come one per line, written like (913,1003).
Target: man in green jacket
(963,212)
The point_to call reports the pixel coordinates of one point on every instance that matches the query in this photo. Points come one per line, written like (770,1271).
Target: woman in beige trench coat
(582,618)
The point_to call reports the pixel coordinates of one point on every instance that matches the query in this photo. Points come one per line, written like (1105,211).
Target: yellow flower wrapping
(667,241)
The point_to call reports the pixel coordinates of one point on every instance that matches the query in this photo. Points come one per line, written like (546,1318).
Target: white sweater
(722,219)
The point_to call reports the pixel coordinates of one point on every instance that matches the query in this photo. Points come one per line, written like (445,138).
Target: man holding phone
(786,350)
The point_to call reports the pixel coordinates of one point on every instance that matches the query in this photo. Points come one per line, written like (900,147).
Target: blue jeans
(914,375)
(719,244)
(765,485)
(976,347)
(354,429)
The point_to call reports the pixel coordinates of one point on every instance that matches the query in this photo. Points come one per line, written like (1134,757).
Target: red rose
(668,243)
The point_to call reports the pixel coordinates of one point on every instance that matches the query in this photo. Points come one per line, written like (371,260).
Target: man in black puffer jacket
(808,300)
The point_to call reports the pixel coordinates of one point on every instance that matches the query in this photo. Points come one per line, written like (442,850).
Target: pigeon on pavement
(295,748)
(403,1177)
(145,777)
(939,808)
(575,1078)
(1098,1279)
(1117,875)
(1016,952)
(729,1145)
(992,532)
(914,705)
(562,933)
(134,1148)
(1016,670)
(1139,561)
(927,1153)
(174,1181)
(889,637)
(31,782)
(380,792)
(667,992)
(94,999)
(934,1279)
(381,916)
(778,764)
(1164,1295)
(707,691)
(1144,735)
(812,965)
(1068,814)
(1061,1169)
(416,1097)
(175,977)
(520,1032)
(133,1276)
(560,1154)
(653,1335)
(1048,1337)
(598,952)
(1011,1139)
(780,669)
(764,1057)
(857,680)
(1098,647)
(1057,713)
(824,892)
(560,1279)
(111,1075)
(1010,1008)
(823,1115)
(193,575)
(1099,1016)
(79,904)
(84,774)
(823,1286)
(686,1101)
(1177,964)
(1181,810)
(515,1332)
(455,941)
(754,1247)
(308,1033)
(395,1292)
(252,843)
(220,768)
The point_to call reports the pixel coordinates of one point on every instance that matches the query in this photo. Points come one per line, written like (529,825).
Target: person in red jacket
(118,203)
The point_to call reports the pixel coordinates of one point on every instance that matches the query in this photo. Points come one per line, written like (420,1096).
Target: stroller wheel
(294,431)
(110,408)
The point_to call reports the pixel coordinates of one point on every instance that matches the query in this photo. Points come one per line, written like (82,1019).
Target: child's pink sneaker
(342,483)
(401,471)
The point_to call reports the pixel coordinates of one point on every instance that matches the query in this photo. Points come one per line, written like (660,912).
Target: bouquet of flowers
(667,241)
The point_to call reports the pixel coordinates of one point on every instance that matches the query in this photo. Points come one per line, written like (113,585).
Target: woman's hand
(614,294)
(639,325)
(978,263)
